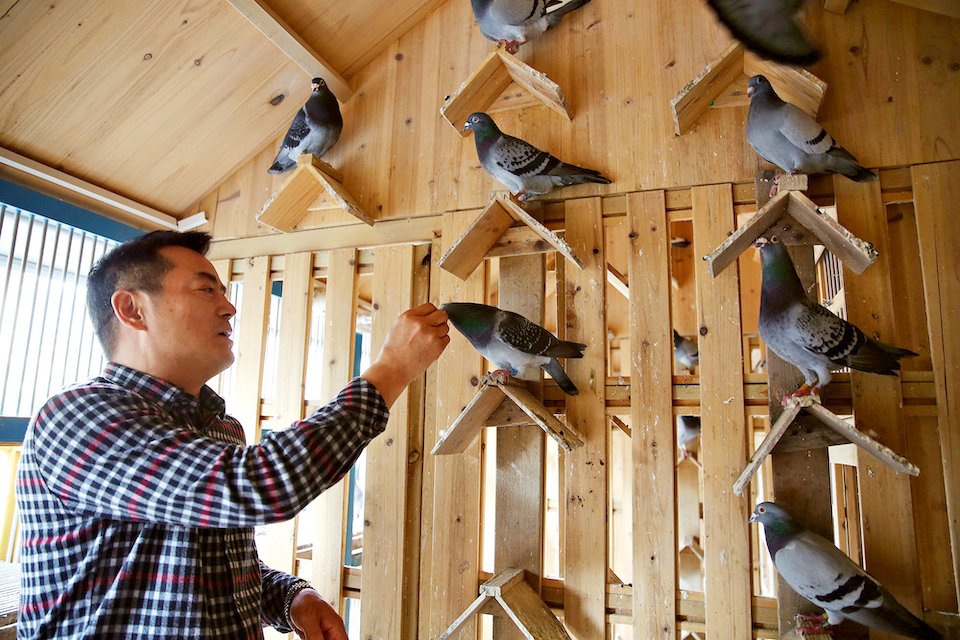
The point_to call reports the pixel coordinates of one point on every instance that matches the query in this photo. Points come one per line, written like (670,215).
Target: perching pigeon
(685,351)
(768,28)
(822,574)
(524,169)
(315,128)
(513,22)
(808,335)
(513,343)
(789,138)
(688,430)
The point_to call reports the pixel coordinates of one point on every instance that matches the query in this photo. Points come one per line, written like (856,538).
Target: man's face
(189,324)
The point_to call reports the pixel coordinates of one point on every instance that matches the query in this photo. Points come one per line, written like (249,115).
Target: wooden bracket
(734,67)
(618,281)
(493,392)
(494,83)
(508,593)
(312,177)
(811,404)
(836,6)
(792,217)
(483,233)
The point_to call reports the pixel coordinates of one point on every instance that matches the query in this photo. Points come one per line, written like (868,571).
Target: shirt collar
(209,403)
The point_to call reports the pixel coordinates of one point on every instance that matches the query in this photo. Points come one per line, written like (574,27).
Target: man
(137,495)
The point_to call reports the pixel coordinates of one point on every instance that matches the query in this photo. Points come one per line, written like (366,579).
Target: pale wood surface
(724,434)
(530,615)
(585,567)
(467,426)
(544,418)
(244,402)
(651,351)
(329,510)
(470,248)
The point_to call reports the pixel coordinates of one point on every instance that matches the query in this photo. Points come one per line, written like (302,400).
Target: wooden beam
(565,437)
(696,96)
(618,281)
(469,249)
(651,353)
(465,429)
(254,313)
(265,19)
(943,7)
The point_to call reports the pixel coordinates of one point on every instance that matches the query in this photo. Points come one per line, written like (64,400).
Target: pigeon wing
(514,12)
(525,336)
(522,159)
(824,334)
(298,130)
(804,132)
(767,28)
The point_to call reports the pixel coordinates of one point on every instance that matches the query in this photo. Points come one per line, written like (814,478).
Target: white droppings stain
(728,400)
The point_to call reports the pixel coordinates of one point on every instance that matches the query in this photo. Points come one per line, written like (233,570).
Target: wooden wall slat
(254,313)
(585,562)
(329,509)
(936,190)
(724,434)
(449,581)
(654,492)
(889,549)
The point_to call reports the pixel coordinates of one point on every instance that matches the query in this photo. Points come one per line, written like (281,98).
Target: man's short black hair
(136,265)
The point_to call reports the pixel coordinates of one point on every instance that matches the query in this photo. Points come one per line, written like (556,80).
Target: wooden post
(586,467)
(890,553)
(651,346)
(724,434)
(254,313)
(520,450)
(329,510)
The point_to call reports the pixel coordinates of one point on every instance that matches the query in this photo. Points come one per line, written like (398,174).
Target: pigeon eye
(761,510)
(774,239)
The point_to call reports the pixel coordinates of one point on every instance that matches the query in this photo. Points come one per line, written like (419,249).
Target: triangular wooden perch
(491,79)
(509,592)
(788,215)
(793,85)
(492,393)
(811,404)
(482,234)
(312,176)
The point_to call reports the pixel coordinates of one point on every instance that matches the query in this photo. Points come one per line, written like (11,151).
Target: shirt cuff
(292,592)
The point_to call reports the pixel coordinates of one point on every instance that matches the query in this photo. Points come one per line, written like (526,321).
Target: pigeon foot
(804,390)
(510,46)
(776,185)
(813,624)
(498,377)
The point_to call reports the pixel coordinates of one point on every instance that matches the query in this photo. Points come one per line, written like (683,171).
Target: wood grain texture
(251,324)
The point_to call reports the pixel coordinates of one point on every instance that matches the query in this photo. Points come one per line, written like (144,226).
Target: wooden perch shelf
(797,86)
(793,217)
(312,177)
(811,404)
(492,394)
(483,233)
(501,73)
(508,593)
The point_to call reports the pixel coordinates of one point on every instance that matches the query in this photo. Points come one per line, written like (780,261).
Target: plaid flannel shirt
(138,502)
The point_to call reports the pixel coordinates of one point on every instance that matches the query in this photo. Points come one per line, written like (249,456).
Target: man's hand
(315,619)
(415,341)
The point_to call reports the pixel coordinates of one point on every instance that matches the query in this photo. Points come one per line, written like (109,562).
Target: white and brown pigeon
(789,138)
(315,128)
(510,23)
(512,343)
(685,351)
(768,28)
(808,335)
(824,575)
(688,430)
(527,171)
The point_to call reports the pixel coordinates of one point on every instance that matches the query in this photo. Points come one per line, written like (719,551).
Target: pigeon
(825,576)
(808,335)
(767,28)
(510,23)
(789,138)
(685,351)
(688,430)
(315,128)
(524,169)
(513,343)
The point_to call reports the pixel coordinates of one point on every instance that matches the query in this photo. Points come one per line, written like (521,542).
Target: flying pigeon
(688,430)
(767,28)
(822,574)
(685,351)
(524,169)
(315,128)
(513,343)
(808,335)
(510,23)
(789,138)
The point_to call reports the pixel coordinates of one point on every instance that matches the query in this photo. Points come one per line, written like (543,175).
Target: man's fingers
(424,309)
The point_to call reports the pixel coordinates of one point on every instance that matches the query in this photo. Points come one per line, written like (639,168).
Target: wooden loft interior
(166,115)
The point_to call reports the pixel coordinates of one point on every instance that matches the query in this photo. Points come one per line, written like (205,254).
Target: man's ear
(128,308)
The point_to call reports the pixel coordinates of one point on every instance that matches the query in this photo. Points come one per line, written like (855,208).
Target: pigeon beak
(753,517)
(465,127)
(760,242)
(749,92)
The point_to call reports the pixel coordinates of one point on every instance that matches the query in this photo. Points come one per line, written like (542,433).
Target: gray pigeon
(513,343)
(767,28)
(789,138)
(825,576)
(525,170)
(808,335)
(315,128)
(688,430)
(512,22)
(685,351)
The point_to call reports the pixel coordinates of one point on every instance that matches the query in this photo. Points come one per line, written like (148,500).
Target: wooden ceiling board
(157,101)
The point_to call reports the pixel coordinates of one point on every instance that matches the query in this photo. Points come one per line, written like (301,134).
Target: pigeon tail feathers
(877,357)
(566,349)
(557,373)
(841,161)
(554,17)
